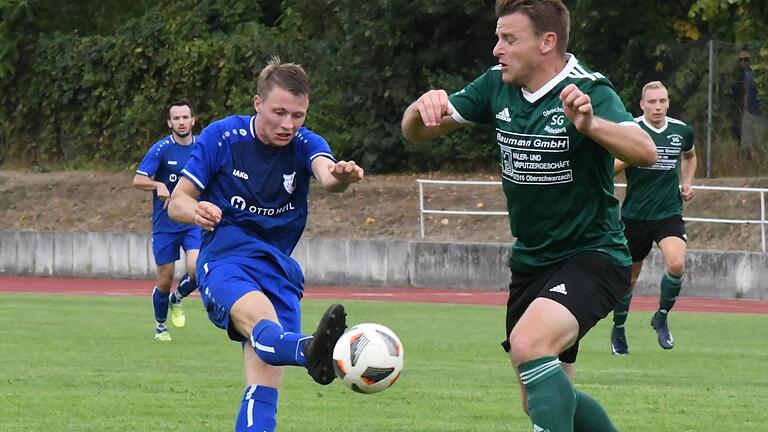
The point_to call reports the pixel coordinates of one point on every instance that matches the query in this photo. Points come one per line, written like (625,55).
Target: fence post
(710,102)
(762,218)
(421,209)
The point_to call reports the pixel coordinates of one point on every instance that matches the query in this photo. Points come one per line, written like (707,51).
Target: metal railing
(423,211)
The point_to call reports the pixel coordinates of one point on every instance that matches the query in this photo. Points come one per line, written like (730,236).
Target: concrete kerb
(376,263)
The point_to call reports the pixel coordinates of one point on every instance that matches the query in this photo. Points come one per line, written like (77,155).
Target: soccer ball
(368,358)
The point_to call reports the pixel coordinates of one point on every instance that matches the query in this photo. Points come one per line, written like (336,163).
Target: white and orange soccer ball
(368,358)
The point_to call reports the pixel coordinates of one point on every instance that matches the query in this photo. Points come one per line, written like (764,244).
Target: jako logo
(242,174)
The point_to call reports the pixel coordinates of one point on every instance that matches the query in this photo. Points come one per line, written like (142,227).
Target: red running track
(132,287)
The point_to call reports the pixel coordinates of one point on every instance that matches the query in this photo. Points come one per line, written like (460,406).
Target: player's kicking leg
(277,347)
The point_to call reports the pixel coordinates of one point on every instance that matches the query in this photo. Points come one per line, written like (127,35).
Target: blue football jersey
(164,163)
(261,190)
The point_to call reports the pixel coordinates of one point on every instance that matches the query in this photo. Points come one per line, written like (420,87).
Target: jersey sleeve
(607,105)
(207,156)
(152,160)
(311,147)
(688,146)
(471,104)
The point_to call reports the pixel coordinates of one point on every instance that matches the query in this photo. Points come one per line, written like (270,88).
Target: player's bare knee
(164,285)
(524,346)
(249,310)
(243,322)
(164,278)
(676,266)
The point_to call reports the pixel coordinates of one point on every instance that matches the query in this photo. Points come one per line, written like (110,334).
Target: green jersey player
(558,128)
(653,210)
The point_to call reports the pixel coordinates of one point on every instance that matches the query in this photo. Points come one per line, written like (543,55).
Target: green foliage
(370,60)
(84,83)
(103,98)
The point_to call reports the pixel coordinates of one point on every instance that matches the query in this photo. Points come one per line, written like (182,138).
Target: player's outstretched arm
(185,208)
(429,117)
(628,143)
(336,177)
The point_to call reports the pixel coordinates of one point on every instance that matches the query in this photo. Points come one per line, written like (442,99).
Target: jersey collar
(194,139)
(651,127)
(533,97)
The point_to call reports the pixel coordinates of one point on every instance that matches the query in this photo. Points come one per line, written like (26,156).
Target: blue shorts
(225,282)
(165,246)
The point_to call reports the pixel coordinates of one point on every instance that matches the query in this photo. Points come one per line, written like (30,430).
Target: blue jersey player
(252,176)
(159,172)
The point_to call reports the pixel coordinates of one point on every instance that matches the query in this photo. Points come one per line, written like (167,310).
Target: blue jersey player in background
(252,176)
(159,172)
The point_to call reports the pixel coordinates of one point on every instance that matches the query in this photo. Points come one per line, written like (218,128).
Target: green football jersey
(557,181)
(653,192)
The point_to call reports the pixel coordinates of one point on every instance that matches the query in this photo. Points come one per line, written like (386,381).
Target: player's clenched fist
(577,107)
(433,106)
(207,215)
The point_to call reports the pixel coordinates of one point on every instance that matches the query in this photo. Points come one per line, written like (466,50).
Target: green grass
(79,363)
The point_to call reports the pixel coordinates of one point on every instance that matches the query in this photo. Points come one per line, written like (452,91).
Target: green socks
(554,405)
(670,288)
(621,310)
(551,398)
(590,416)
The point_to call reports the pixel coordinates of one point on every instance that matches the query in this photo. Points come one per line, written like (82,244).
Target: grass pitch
(81,363)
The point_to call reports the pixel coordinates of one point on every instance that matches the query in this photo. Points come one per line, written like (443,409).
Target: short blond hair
(288,76)
(651,86)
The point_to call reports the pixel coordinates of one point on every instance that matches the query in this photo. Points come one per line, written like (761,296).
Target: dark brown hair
(545,16)
(179,103)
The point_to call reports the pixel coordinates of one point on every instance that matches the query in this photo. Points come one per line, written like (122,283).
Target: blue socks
(185,288)
(258,410)
(160,304)
(186,285)
(277,347)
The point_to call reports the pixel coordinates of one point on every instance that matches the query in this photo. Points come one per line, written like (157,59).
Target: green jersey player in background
(652,211)
(558,128)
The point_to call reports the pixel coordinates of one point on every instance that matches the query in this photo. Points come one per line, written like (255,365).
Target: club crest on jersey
(556,124)
(675,139)
(289,182)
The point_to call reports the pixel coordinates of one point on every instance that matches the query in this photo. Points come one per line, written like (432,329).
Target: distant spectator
(752,122)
